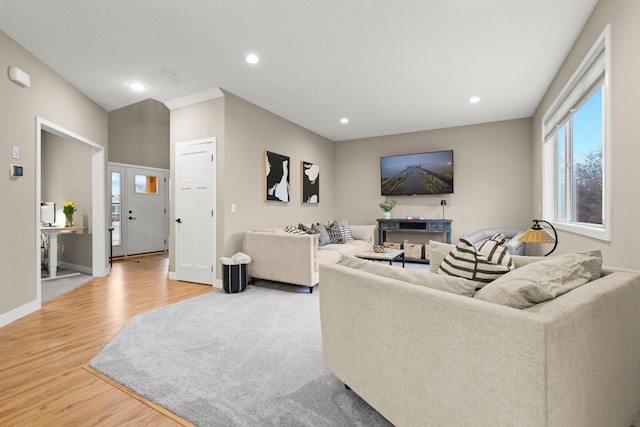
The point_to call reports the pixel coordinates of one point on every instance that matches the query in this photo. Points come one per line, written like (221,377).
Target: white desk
(52,237)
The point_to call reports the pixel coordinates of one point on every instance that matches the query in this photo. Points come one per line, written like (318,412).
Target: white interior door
(146,212)
(195,229)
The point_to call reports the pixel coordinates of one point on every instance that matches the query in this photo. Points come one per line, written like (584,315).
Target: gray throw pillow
(543,280)
(324,235)
(335,232)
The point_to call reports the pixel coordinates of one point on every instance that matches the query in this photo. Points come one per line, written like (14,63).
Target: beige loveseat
(283,257)
(425,357)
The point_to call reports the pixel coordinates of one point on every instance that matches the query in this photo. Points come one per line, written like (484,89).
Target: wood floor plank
(44,356)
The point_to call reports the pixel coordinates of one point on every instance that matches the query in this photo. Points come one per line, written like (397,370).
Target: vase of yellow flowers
(68,210)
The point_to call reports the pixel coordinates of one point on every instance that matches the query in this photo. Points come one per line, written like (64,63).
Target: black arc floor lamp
(537,234)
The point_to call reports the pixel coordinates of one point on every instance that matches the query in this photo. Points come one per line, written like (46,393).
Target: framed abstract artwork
(310,182)
(276,172)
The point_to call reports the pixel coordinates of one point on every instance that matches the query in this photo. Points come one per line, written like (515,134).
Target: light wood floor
(43,356)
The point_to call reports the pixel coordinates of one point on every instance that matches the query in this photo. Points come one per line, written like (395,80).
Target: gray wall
(492,177)
(139,134)
(55,100)
(625,92)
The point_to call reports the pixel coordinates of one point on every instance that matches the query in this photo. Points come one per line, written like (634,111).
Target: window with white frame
(577,149)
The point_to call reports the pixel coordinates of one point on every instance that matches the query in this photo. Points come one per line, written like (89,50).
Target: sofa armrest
(281,257)
(593,352)
(363,232)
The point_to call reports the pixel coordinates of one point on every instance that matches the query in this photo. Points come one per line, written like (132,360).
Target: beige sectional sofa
(422,356)
(290,258)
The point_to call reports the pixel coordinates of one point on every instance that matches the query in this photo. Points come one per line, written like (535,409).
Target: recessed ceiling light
(344,120)
(252,58)
(138,86)
(474,99)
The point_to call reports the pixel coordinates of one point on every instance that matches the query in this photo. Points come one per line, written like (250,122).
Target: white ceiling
(389,66)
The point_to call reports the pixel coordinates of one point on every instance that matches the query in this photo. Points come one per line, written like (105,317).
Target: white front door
(195,229)
(139,209)
(145,211)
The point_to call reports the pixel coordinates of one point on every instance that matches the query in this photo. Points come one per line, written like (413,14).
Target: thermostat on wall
(16,170)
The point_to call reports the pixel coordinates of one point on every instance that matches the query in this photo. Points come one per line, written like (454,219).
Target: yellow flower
(69,208)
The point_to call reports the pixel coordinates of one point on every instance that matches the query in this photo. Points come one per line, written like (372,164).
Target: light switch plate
(16,152)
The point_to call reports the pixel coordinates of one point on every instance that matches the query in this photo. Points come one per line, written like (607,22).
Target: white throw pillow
(437,252)
(543,280)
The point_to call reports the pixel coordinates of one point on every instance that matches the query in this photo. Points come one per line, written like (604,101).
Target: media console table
(442,226)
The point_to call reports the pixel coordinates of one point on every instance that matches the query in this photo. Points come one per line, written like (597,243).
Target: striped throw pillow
(496,252)
(346,231)
(467,262)
(292,229)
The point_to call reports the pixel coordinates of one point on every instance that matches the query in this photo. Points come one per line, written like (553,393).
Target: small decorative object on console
(378,249)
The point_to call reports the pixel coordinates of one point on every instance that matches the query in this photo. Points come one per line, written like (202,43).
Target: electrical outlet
(16,152)
(62,248)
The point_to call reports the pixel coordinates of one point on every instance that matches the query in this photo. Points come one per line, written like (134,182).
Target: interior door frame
(97,222)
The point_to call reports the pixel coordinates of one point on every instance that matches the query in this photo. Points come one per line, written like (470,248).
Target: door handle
(131,217)
(179,221)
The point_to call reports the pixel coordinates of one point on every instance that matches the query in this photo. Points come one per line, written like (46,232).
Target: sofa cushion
(326,257)
(466,261)
(456,285)
(349,248)
(543,280)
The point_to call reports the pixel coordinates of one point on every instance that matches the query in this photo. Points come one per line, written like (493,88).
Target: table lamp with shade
(537,234)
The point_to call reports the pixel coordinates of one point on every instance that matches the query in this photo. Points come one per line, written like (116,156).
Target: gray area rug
(247,359)
(52,288)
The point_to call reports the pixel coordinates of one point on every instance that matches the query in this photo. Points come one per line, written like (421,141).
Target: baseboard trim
(19,312)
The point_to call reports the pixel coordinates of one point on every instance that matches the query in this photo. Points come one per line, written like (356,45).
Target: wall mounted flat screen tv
(421,173)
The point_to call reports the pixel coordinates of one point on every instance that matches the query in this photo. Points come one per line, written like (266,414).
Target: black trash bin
(234,278)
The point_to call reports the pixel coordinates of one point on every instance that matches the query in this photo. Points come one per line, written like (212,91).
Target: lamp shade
(536,234)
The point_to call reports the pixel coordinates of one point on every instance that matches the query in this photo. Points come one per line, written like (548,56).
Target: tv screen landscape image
(422,173)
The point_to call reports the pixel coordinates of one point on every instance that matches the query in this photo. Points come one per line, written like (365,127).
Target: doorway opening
(96,225)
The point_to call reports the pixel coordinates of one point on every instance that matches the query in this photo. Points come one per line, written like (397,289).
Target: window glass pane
(587,141)
(146,184)
(115,207)
(561,174)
